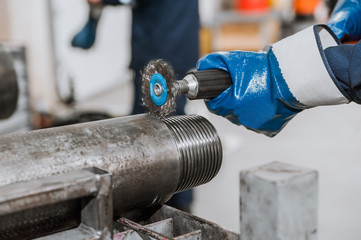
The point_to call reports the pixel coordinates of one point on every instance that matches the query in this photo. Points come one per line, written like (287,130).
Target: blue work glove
(86,37)
(269,88)
(345,20)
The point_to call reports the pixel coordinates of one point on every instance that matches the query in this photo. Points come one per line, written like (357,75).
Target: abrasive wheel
(158,92)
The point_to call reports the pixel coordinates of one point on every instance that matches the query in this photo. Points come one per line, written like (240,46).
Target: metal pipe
(9,89)
(150,159)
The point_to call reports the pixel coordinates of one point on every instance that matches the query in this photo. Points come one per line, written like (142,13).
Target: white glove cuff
(305,68)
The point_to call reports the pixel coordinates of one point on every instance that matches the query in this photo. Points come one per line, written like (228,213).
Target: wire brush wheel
(158,92)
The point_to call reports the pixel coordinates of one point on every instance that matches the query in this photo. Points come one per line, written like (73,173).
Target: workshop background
(61,85)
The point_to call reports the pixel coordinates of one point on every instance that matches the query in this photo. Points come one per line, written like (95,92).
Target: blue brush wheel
(158,89)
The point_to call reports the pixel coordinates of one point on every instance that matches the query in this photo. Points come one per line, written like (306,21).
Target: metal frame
(92,185)
(167,223)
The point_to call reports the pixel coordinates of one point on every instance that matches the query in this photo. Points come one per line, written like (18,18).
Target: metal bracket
(162,230)
(92,185)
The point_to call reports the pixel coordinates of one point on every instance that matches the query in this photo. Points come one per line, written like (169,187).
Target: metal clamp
(92,185)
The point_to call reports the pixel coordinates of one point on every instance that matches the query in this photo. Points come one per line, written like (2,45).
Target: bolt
(158,89)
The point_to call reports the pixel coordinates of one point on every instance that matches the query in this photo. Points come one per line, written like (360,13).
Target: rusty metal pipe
(150,159)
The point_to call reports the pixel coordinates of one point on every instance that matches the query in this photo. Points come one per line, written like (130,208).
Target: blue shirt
(166,29)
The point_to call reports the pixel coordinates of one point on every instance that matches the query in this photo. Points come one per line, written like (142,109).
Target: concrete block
(279,201)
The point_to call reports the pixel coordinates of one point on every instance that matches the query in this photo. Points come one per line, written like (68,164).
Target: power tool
(160,88)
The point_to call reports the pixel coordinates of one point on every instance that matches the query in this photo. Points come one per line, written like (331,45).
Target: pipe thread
(200,148)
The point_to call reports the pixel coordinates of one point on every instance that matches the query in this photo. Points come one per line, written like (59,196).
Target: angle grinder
(160,88)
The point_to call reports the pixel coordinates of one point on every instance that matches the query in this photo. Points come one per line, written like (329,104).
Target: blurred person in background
(161,29)
(308,69)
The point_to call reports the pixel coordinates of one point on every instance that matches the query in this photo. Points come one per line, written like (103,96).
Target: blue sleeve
(345,62)
(345,20)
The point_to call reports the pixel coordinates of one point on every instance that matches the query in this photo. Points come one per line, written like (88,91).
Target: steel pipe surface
(150,159)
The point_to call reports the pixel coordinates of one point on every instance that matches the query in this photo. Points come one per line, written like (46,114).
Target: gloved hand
(86,37)
(345,20)
(270,88)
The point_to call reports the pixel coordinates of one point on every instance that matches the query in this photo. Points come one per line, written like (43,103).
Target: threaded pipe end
(200,148)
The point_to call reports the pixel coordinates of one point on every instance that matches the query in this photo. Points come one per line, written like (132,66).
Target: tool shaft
(208,83)
(211,83)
